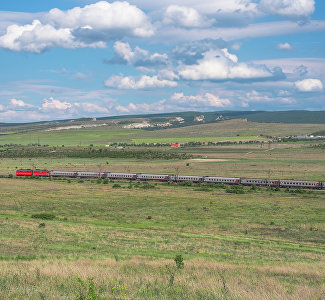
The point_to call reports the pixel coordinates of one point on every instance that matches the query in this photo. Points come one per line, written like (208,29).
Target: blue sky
(79,58)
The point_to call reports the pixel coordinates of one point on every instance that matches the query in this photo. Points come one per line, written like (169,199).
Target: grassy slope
(216,232)
(227,130)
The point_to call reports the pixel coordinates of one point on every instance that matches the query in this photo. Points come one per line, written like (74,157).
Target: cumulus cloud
(221,65)
(299,10)
(206,100)
(19,105)
(145,82)
(116,17)
(36,37)
(61,107)
(255,96)
(89,26)
(309,85)
(284,46)
(52,104)
(185,16)
(137,57)
(177,102)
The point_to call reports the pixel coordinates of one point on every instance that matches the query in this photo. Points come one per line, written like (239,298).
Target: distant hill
(189,118)
(291,116)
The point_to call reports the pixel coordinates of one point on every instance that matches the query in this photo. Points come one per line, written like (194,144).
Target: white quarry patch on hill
(199,118)
(75,127)
(147,124)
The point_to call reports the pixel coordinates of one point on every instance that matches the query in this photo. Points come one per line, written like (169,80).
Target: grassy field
(283,161)
(257,245)
(223,131)
(198,139)
(83,239)
(67,137)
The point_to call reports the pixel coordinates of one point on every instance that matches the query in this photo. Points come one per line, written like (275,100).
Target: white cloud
(90,26)
(221,65)
(91,107)
(36,37)
(145,82)
(81,75)
(255,96)
(16,104)
(114,18)
(177,102)
(2,107)
(293,9)
(52,104)
(184,16)
(284,46)
(206,100)
(167,74)
(309,85)
(203,6)
(138,57)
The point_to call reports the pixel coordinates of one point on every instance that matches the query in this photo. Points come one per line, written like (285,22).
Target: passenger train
(177,178)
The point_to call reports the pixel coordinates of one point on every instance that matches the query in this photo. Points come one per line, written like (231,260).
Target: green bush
(186,183)
(179,261)
(235,189)
(43,216)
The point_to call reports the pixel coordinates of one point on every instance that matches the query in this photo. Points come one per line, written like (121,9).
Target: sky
(68,59)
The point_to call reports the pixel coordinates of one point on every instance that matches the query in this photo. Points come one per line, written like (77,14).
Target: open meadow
(64,239)
(91,239)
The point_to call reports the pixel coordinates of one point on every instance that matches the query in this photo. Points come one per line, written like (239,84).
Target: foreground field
(256,245)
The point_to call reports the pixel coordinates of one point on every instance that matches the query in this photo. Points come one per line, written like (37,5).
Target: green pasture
(196,139)
(58,236)
(159,221)
(68,137)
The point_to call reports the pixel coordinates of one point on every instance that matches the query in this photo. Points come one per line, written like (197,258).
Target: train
(283,183)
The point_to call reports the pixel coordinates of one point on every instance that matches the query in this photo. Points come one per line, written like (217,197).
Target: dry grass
(140,278)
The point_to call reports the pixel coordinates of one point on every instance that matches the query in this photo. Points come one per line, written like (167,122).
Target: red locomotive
(28,172)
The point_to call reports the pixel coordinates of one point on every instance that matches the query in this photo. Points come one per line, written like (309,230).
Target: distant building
(175,145)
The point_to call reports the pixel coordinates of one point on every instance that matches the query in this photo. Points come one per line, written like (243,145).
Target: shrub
(105,181)
(99,180)
(116,186)
(10,176)
(43,216)
(41,225)
(179,261)
(235,189)
(147,186)
(186,183)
